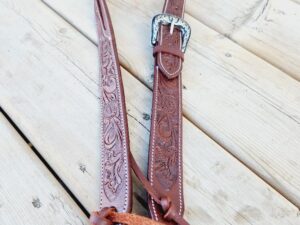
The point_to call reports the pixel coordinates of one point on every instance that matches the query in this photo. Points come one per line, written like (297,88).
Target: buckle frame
(174,21)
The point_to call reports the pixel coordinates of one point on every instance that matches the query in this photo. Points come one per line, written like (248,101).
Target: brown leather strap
(170,50)
(108,215)
(164,201)
(165,153)
(116,158)
(115,164)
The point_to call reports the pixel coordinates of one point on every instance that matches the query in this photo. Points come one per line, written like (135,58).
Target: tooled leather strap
(165,153)
(166,205)
(116,158)
(109,215)
(115,187)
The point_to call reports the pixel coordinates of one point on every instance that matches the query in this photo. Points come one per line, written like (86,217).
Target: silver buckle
(168,19)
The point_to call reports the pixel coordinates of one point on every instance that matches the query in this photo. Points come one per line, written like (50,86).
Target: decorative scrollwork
(112,127)
(166,147)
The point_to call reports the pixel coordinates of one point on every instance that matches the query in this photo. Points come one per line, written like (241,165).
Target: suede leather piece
(107,216)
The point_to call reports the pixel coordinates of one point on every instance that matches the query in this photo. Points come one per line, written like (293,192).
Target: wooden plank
(45,45)
(50,90)
(29,194)
(261,26)
(269,28)
(253,111)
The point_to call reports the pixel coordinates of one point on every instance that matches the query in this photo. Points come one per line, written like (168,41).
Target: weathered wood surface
(49,87)
(269,28)
(247,105)
(29,194)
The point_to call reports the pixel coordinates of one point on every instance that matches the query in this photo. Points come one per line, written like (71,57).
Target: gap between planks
(199,132)
(123,65)
(229,37)
(42,192)
(198,126)
(44,162)
(248,167)
(139,198)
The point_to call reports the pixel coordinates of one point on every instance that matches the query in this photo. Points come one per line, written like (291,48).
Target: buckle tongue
(174,21)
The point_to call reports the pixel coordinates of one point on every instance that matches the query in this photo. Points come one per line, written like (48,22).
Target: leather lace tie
(109,215)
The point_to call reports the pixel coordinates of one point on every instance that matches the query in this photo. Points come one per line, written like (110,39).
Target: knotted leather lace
(109,215)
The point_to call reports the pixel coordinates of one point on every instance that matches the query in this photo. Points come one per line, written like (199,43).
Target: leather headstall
(164,184)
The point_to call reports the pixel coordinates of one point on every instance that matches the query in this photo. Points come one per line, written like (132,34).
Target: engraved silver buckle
(168,19)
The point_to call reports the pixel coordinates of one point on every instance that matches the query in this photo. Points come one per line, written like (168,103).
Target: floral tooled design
(168,104)
(166,139)
(112,133)
(167,143)
(165,165)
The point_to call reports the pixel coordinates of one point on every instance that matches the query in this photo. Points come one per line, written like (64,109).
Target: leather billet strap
(165,152)
(116,158)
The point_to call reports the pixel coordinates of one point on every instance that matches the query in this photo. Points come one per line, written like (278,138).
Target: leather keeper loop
(165,203)
(165,49)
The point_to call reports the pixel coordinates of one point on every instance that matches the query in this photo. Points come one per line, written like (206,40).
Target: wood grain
(50,89)
(29,194)
(41,51)
(247,105)
(268,28)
